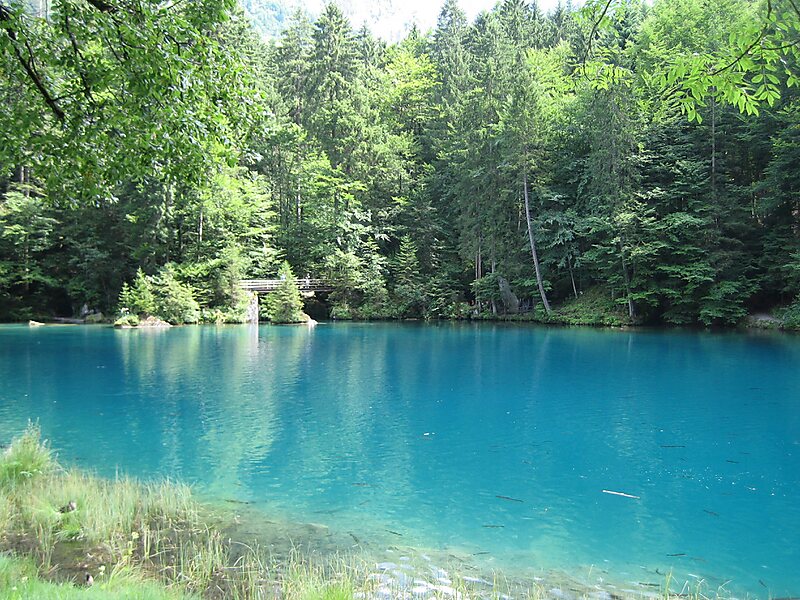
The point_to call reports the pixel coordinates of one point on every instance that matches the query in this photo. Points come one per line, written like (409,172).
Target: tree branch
(103,6)
(28,64)
(592,33)
(87,88)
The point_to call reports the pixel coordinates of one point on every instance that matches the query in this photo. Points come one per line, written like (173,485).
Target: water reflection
(465,438)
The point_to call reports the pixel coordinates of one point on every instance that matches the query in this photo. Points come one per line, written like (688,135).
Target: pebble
(385,566)
(403,580)
(478,580)
(420,590)
(446,590)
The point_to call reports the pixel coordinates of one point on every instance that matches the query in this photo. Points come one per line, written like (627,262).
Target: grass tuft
(27,458)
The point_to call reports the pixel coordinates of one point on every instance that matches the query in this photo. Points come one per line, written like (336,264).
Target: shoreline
(752,327)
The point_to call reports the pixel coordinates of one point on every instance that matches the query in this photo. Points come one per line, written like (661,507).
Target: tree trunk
(534,254)
(572,278)
(626,276)
(494,264)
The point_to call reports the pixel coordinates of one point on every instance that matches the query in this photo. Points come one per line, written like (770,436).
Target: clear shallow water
(437,431)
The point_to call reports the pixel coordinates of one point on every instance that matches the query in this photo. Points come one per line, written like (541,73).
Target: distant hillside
(270,17)
(389,19)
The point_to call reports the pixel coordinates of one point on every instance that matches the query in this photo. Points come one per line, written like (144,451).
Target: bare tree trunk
(534,254)
(494,264)
(572,278)
(626,276)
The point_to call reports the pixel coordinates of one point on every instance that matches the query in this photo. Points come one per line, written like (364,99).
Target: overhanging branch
(28,64)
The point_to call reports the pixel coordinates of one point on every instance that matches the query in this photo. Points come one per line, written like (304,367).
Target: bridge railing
(270,285)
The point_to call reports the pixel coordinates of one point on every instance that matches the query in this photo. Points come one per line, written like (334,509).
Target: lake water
(490,441)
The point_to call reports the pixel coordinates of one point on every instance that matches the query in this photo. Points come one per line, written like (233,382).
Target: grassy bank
(135,540)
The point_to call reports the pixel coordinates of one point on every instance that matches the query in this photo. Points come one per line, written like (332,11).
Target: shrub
(791,317)
(127,320)
(285,305)
(138,299)
(175,302)
(161,295)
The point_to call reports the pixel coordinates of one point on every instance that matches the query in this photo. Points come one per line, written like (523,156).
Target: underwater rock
(478,580)
(385,566)
(446,590)
(420,590)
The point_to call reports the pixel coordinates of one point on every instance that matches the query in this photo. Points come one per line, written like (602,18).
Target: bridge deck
(264,286)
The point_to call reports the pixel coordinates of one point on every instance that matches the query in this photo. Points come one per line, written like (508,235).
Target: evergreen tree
(285,305)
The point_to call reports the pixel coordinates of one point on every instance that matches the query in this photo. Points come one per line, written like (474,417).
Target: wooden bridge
(265,286)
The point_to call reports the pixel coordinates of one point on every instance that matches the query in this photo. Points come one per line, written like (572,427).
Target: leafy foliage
(161,295)
(633,159)
(285,305)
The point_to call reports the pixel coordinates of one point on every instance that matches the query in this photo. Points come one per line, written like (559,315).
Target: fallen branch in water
(623,494)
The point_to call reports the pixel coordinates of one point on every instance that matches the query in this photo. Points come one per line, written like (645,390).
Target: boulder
(510,300)
(95,317)
(152,321)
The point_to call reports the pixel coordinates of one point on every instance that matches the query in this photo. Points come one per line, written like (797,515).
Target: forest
(619,162)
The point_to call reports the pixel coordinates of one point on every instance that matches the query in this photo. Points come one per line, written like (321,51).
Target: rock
(420,590)
(84,311)
(251,317)
(152,321)
(446,590)
(763,321)
(509,299)
(95,317)
(478,580)
(34,324)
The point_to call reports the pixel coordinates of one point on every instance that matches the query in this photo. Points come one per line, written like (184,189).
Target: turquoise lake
(491,441)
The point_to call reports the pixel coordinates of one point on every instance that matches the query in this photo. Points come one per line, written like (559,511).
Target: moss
(128,320)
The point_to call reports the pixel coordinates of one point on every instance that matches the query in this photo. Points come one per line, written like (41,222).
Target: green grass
(25,459)
(19,580)
(593,307)
(138,540)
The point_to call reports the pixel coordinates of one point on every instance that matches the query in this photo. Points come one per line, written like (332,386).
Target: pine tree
(285,305)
